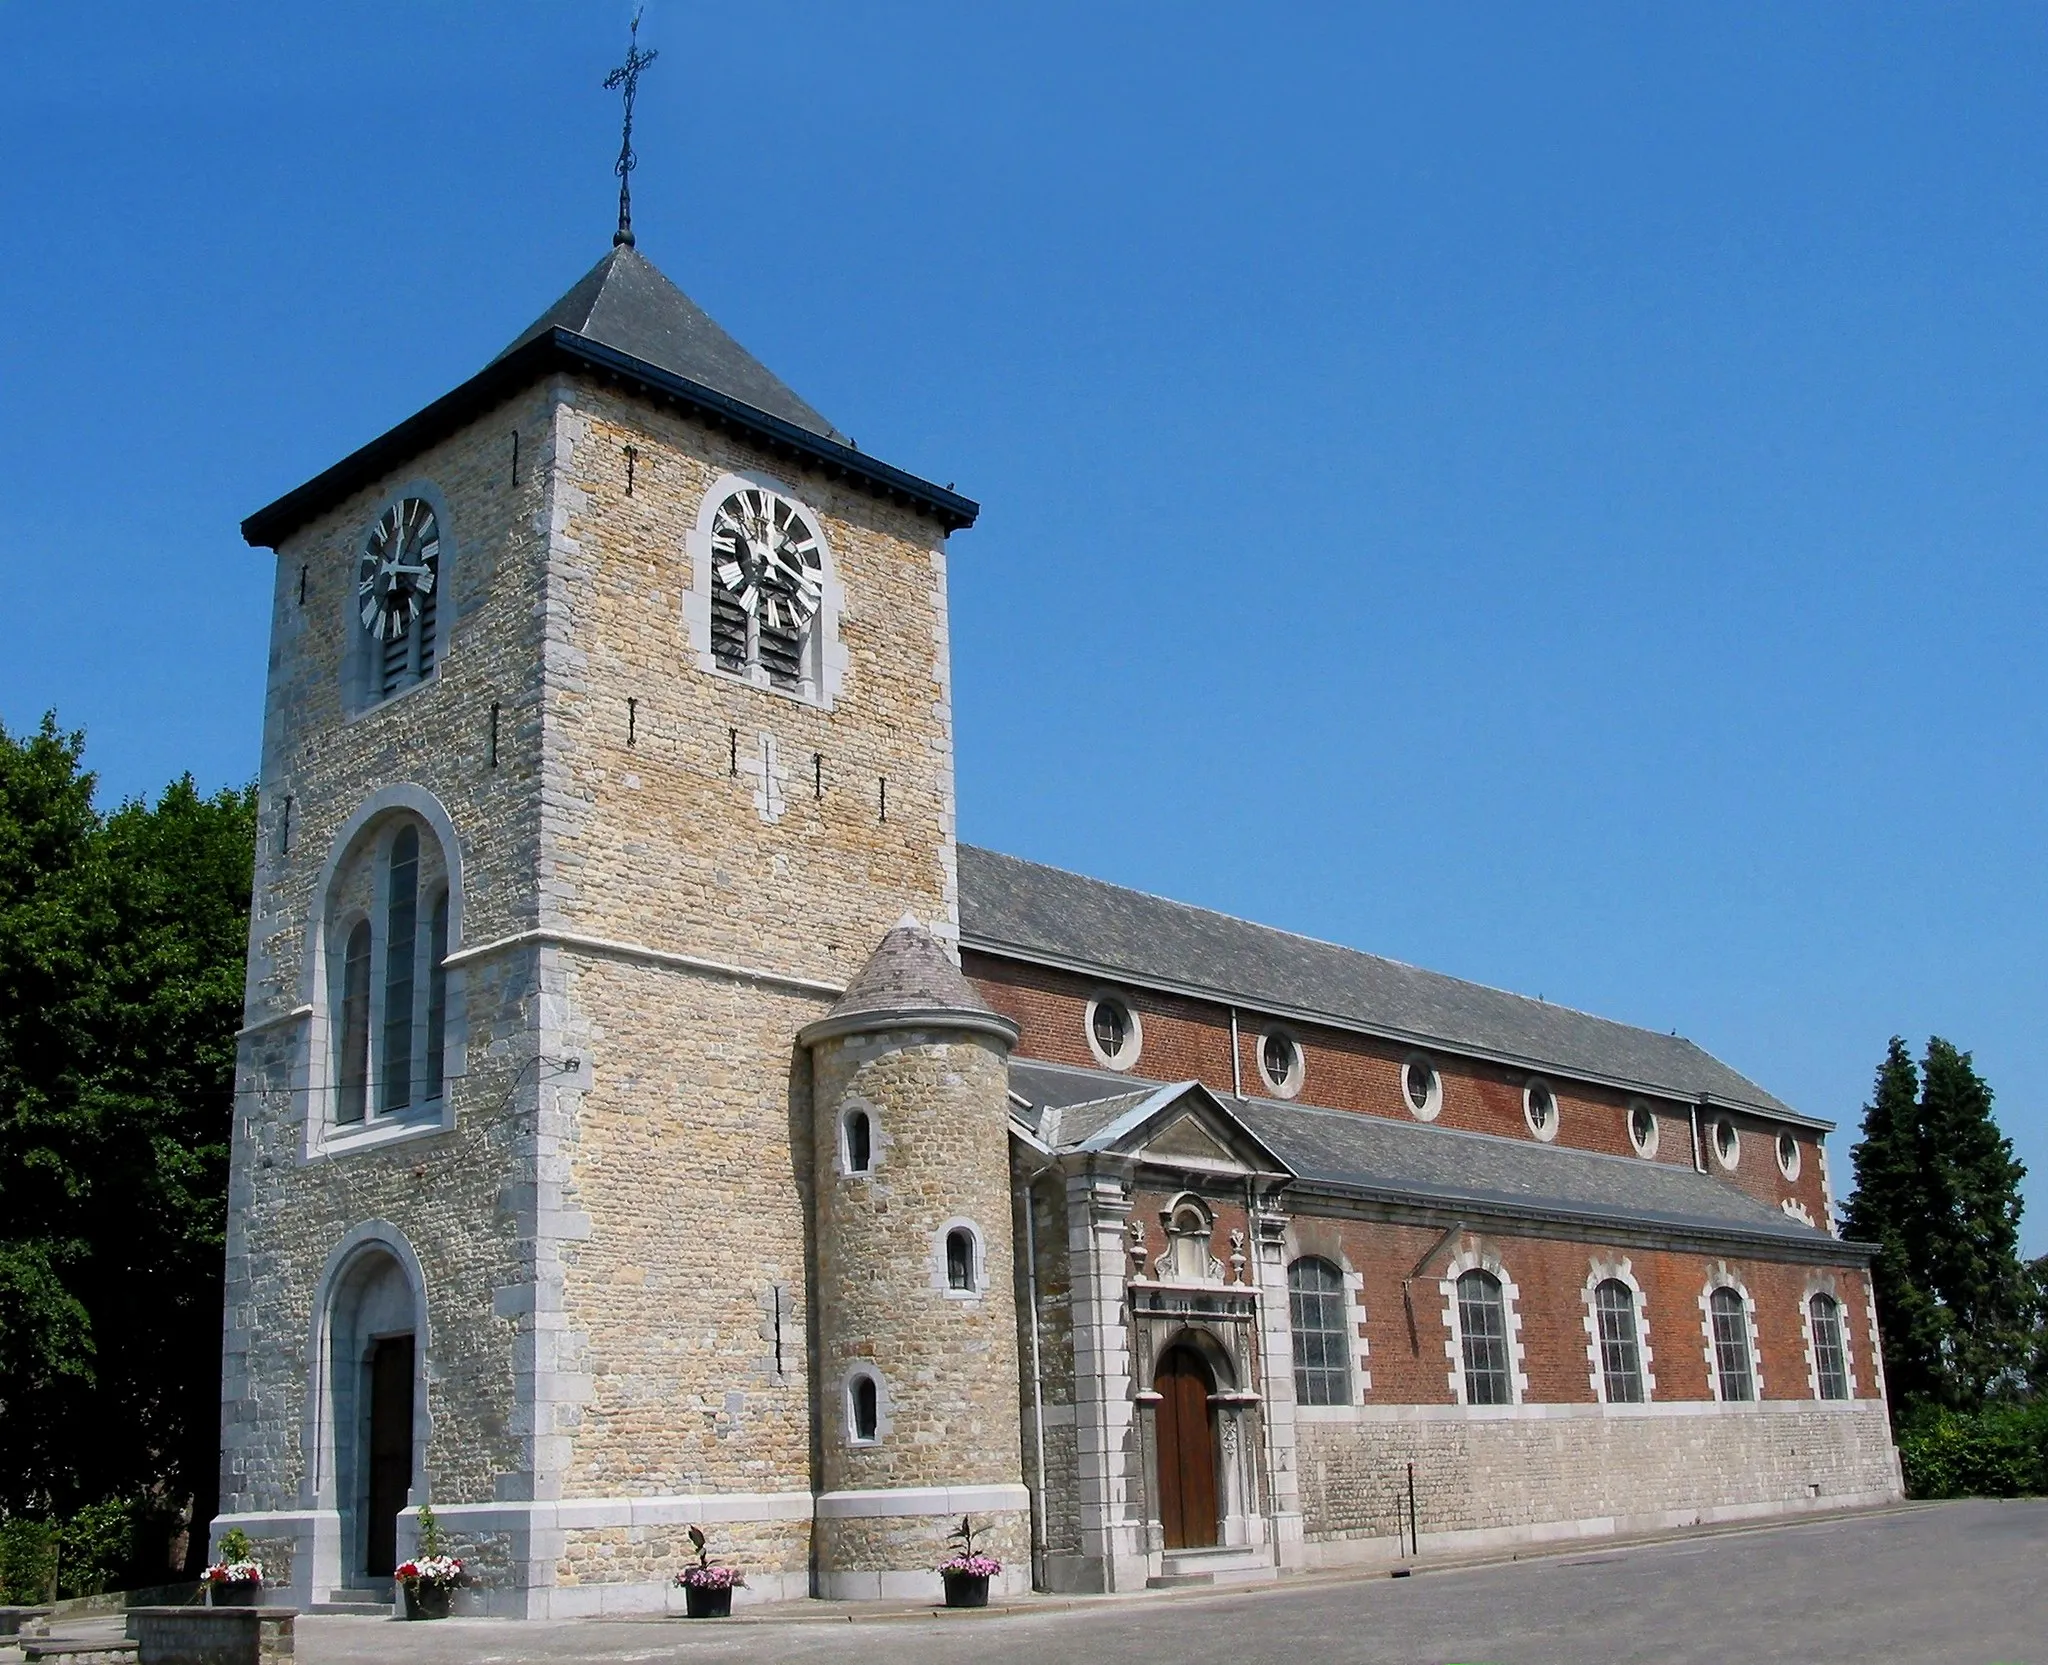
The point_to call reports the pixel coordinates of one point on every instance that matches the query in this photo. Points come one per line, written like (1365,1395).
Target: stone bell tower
(916,1325)
(608,729)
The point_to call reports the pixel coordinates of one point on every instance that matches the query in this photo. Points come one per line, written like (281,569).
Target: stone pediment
(1182,1126)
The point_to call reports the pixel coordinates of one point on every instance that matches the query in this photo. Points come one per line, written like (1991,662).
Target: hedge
(2000,1451)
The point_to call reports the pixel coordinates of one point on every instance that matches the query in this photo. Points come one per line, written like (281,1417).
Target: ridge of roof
(627,302)
(908,981)
(794,431)
(1011,906)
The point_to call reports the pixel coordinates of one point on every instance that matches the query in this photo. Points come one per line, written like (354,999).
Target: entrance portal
(1187,1450)
(390,1373)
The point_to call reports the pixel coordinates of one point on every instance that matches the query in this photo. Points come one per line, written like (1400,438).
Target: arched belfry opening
(374,1377)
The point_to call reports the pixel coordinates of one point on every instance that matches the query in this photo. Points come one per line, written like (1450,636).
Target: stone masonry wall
(1615,1471)
(946,1363)
(451,1194)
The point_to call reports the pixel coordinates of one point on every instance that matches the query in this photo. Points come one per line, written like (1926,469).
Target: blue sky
(1556,498)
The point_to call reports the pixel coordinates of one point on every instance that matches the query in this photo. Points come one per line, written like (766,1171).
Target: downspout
(1407,1283)
(1699,1160)
(1038,1532)
(1236,1062)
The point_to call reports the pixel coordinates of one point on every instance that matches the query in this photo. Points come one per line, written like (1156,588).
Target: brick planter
(212,1635)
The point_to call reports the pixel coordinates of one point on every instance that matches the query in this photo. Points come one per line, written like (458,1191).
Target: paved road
(1958,1584)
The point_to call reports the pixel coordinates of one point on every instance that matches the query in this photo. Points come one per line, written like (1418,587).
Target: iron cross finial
(627,76)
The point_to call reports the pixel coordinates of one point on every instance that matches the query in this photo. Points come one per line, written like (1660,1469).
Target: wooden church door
(1187,1450)
(390,1450)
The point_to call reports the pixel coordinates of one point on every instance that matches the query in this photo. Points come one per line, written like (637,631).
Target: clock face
(765,558)
(399,567)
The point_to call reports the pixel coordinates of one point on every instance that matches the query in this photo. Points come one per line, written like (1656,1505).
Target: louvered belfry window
(398,595)
(767,583)
(1483,1323)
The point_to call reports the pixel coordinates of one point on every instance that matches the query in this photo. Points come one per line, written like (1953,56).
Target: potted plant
(707,1590)
(236,1579)
(965,1572)
(430,1577)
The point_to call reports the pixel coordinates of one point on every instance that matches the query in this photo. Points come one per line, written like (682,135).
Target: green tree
(122,944)
(1937,1190)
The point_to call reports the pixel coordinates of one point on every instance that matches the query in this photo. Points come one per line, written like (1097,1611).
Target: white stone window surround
(845,1155)
(1645,1148)
(1545,1130)
(825,656)
(1134,1043)
(1721,1276)
(359,659)
(1788,1140)
(1620,1271)
(319,983)
(1723,1128)
(1483,1260)
(859,1373)
(1288,1083)
(1823,1282)
(1432,1101)
(1354,1315)
(977,1264)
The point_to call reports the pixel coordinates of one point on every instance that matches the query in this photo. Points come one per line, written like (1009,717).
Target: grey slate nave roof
(1021,908)
(1380,1157)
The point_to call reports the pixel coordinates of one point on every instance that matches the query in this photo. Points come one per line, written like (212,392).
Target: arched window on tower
(354,1026)
(959,1258)
(437,994)
(864,1405)
(400,933)
(860,1140)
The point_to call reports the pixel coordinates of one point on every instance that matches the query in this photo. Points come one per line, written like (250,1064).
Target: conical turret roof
(625,302)
(909,981)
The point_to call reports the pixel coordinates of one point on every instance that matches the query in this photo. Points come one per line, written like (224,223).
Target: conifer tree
(1937,1190)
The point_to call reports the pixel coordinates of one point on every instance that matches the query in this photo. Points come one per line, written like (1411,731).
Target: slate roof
(1395,1161)
(908,976)
(1008,905)
(625,324)
(625,302)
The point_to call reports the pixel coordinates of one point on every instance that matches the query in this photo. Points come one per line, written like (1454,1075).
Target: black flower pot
(702,1601)
(237,1595)
(966,1589)
(427,1601)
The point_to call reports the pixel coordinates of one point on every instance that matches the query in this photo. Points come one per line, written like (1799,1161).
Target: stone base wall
(895,1557)
(1526,1473)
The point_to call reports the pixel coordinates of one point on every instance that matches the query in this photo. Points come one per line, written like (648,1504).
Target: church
(650,1115)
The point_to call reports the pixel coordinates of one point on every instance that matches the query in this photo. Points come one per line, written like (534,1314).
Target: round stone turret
(916,1309)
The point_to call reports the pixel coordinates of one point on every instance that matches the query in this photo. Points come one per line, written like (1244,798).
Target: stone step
(73,1650)
(368,1604)
(1181,1569)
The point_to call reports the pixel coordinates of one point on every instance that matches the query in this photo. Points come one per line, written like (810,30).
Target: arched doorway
(374,1359)
(1187,1449)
